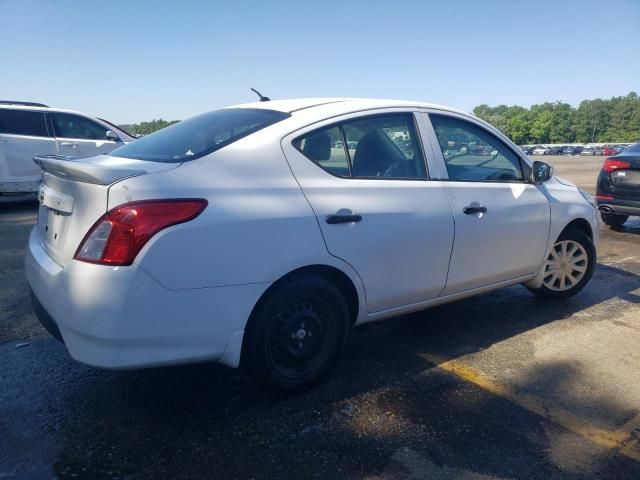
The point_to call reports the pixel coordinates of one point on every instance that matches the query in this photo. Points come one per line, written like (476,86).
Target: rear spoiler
(84,171)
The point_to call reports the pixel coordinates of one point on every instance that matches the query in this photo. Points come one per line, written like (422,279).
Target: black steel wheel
(294,337)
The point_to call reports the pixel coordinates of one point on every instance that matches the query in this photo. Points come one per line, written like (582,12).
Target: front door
(501,219)
(366,180)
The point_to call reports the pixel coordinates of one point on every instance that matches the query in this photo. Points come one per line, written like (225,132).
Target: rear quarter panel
(257,227)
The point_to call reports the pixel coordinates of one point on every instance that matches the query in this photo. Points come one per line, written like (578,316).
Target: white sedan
(540,151)
(260,234)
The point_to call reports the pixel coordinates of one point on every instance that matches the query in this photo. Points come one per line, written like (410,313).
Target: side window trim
(439,156)
(343,139)
(339,123)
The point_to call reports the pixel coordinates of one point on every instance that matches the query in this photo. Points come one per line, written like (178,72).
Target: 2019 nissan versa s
(261,233)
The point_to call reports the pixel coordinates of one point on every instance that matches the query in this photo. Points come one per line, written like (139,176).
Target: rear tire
(294,337)
(569,266)
(614,220)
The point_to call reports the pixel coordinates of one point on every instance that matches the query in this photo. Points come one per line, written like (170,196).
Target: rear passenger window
(376,146)
(325,148)
(20,122)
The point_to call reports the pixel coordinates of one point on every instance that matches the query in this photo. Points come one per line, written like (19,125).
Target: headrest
(317,146)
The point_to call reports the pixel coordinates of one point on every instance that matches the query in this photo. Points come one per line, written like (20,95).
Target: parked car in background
(588,151)
(618,189)
(528,149)
(567,151)
(597,150)
(554,150)
(619,148)
(240,235)
(609,150)
(577,150)
(540,151)
(28,129)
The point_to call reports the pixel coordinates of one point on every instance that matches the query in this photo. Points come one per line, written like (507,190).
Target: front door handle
(335,219)
(69,144)
(472,210)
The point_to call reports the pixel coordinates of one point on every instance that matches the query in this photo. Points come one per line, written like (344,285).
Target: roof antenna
(262,98)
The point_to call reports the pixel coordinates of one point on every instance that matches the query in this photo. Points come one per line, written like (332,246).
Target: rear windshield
(199,136)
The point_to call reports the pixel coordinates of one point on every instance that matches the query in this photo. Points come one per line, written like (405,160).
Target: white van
(28,129)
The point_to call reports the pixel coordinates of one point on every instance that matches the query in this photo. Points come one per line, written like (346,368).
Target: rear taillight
(118,236)
(611,164)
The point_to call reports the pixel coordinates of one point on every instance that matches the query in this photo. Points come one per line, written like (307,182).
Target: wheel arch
(336,276)
(580,224)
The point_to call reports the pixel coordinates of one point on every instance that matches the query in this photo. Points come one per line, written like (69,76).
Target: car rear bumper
(120,317)
(619,207)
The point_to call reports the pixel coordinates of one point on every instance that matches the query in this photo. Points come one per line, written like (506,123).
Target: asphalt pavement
(499,386)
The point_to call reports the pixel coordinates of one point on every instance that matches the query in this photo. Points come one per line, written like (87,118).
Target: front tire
(293,338)
(569,266)
(613,220)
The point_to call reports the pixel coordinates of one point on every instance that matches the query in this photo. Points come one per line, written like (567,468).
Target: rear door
(23,134)
(365,178)
(80,136)
(501,219)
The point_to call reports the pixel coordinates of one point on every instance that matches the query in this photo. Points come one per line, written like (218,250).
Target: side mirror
(111,135)
(541,172)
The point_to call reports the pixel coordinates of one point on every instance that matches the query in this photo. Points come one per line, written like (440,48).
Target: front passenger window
(472,154)
(67,125)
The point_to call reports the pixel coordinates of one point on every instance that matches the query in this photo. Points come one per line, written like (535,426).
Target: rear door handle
(69,144)
(472,210)
(334,219)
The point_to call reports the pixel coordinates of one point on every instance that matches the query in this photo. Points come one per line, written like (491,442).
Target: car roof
(341,105)
(40,109)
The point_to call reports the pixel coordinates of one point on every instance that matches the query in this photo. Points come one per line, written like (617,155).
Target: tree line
(145,128)
(614,120)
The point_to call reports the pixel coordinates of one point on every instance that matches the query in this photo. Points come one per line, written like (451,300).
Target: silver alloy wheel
(566,265)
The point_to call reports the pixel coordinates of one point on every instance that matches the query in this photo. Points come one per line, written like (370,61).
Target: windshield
(199,136)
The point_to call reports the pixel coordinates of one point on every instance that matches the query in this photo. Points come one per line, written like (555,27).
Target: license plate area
(51,223)
(53,214)
(626,181)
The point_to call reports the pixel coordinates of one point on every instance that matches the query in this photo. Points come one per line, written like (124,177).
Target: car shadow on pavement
(630,226)
(383,410)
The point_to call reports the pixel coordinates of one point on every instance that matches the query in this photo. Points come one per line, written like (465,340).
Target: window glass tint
(384,146)
(325,147)
(20,122)
(66,125)
(473,154)
(201,135)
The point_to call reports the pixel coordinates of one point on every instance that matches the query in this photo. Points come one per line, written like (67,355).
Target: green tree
(145,128)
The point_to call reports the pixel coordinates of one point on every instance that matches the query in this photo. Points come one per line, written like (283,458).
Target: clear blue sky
(130,61)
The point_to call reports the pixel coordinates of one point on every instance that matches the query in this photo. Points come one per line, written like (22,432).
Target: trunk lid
(74,194)
(626,181)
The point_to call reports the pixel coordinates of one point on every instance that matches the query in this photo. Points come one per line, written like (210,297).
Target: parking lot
(503,385)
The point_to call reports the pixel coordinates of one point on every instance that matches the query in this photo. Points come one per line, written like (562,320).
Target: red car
(608,151)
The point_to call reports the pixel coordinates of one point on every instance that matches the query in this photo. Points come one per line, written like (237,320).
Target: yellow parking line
(622,439)
(631,431)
